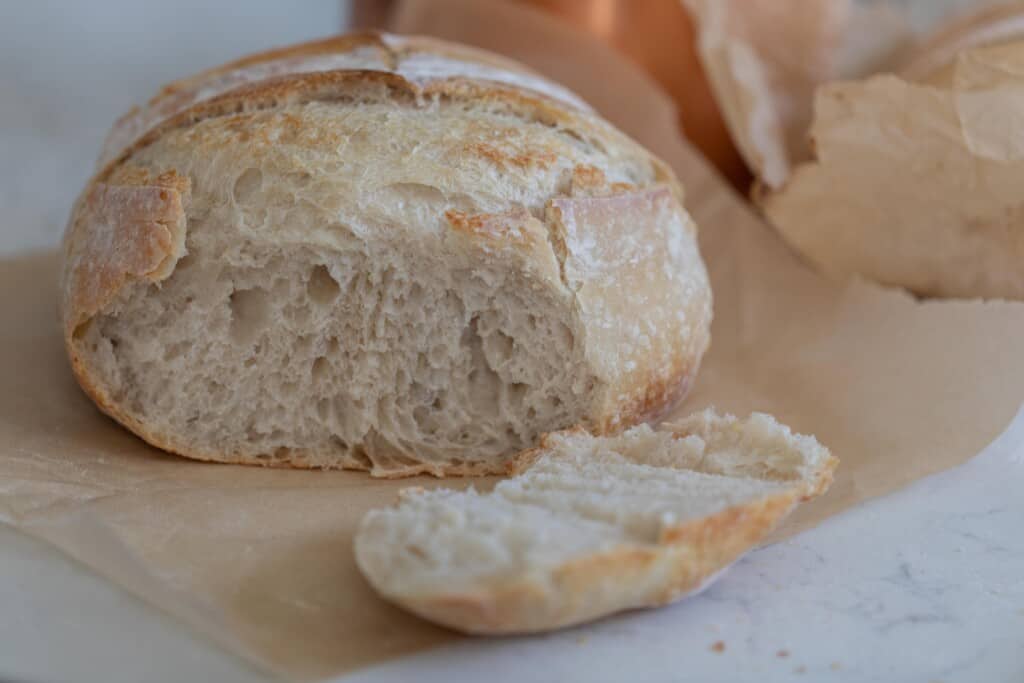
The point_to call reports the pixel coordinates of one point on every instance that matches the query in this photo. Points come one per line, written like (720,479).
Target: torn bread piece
(592,525)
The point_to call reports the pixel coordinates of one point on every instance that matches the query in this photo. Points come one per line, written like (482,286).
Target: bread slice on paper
(592,525)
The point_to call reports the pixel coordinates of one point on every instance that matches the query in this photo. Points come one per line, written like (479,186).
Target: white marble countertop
(925,585)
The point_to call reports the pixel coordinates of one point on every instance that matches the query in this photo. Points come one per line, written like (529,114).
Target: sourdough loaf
(382,253)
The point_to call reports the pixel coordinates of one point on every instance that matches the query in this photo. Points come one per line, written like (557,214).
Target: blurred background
(68,69)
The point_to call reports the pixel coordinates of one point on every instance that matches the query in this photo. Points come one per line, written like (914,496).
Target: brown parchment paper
(261,560)
(765,59)
(937,159)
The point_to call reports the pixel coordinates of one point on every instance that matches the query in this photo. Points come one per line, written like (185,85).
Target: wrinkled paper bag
(261,560)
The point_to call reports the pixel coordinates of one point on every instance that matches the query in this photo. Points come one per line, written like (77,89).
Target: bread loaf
(380,253)
(594,525)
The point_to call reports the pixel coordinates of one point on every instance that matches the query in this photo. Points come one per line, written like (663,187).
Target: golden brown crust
(325,46)
(408,45)
(177,96)
(342,53)
(516,227)
(325,86)
(686,556)
(640,313)
(391,48)
(656,397)
(131,230)
(679,559)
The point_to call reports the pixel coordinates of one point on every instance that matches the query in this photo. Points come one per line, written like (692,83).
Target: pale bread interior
(583,496)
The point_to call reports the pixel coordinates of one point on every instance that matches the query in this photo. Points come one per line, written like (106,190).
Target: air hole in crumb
(516,392)
(81,329)
(322,288)
(402,459)
(320,369)
(362,459)
(247,184)
(250,312)
(421,415)
(500,345)
(415,293)
(282,453)
(568,339)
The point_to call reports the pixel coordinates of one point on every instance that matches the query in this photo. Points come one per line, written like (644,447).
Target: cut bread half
(379,253)
(592,525)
